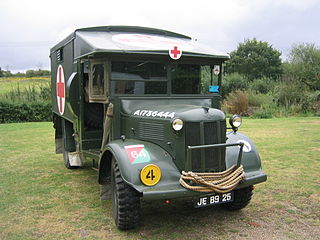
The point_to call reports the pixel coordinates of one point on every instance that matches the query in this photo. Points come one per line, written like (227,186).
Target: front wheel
(125,201)
(242,198)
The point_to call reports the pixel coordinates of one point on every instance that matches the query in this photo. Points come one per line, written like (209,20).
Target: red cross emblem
(175,53)
(60,89)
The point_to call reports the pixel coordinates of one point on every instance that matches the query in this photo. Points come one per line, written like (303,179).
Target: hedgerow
(30,104)
(25,112)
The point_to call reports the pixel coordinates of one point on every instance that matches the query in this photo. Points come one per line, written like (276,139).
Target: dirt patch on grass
(181,221)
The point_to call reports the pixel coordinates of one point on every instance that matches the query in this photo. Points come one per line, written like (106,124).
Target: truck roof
(133,39)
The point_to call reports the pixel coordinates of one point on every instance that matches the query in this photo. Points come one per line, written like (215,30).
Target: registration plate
(213,199)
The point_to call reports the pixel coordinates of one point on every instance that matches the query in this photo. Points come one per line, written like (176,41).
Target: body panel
(169,186)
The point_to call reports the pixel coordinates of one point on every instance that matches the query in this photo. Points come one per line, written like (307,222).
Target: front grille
(204,133)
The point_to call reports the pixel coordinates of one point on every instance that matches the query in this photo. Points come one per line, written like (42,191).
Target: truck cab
(143,105)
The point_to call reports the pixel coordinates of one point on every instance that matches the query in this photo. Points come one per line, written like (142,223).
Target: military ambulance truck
(143,105)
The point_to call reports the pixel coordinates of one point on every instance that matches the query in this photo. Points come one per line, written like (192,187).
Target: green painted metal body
(136,119)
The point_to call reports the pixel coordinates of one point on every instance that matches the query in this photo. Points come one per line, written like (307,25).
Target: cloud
(30,28)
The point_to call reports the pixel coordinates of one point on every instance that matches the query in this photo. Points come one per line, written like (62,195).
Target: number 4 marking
(150,175)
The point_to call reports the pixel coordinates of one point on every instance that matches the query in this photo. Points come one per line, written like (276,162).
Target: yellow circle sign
(150,175)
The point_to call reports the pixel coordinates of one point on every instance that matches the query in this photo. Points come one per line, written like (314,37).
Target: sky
(29,28)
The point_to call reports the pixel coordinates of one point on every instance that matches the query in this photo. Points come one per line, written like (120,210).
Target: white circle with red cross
(175,52)
(60,87)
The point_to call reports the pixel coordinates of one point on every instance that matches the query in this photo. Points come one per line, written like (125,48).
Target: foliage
(6,74)
(233,82)
(23,112)
(293,94)
(304,65)
(29,73)
(259,99)
(237,102)
(255,59)
(265,111)
(37,73)
(261,85)
(288,93)
(31,93)
(27,104)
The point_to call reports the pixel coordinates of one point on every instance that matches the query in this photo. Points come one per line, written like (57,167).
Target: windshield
(140,78)
(191,79)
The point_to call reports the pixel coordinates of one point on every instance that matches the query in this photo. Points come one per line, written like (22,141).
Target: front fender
(130,168)
(250,158)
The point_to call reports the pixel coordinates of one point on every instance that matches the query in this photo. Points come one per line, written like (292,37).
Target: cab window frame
(103,97)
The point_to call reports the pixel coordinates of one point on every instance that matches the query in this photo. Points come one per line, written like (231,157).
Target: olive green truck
(143,105)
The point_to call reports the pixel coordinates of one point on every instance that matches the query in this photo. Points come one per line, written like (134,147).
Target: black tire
(242,198)
(125,201)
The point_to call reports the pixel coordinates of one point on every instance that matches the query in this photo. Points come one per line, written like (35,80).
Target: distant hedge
(23,112)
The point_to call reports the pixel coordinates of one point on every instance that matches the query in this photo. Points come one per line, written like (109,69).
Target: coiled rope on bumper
(220,182)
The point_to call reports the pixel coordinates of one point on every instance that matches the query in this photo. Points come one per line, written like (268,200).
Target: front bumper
(177,191)
(253,174)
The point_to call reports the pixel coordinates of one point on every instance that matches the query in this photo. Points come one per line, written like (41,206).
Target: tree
(304,65)
(1,73)
(255,59)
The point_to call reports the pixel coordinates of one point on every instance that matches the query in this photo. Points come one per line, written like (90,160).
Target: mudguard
(130,168)
(250,159)
(169,186)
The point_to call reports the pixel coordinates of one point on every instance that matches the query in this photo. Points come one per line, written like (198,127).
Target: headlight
(235,121)
(177,124)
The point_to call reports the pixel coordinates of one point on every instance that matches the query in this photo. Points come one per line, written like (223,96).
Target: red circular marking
(175,53)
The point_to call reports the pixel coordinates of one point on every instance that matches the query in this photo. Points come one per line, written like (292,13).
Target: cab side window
(98,82)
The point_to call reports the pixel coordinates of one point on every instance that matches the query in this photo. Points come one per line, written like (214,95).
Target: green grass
(41,199)
(10,84)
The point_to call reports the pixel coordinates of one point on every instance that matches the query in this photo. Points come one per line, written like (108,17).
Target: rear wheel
(242,198)
(125,201)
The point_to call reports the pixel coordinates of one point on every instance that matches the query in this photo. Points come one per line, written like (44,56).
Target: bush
(288,93)
(31,104)
(312,102)
(37,73)
(259,99)
(237,103)
(233,82)
(265,111)
(22,112)
(296,96)
(261,85)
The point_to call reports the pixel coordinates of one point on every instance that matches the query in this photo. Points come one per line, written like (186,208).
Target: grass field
(41,199)
(12,83)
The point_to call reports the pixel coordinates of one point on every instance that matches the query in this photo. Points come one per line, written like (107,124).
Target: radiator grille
(203,134)
(151,131)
